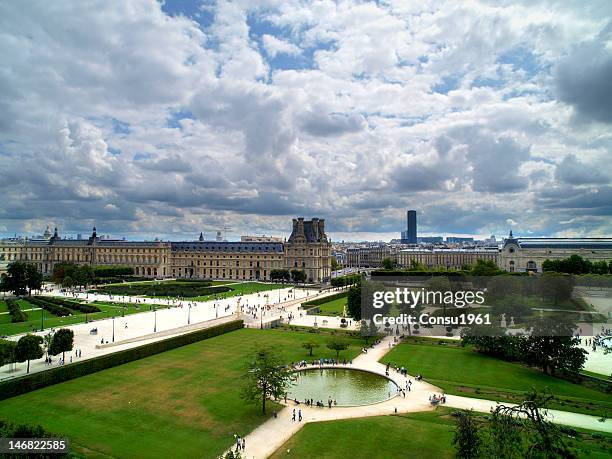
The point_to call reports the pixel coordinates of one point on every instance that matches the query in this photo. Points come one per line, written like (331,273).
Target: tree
(7,351)
(353,302)
(337,344)
(28,348)
(310,345)
(485,268)
(298,276)
(34,278)
(280,275)
(388,263)
(544,438)
(17,278)
(368,331)
(47,340)
(62,341)
(467,439)
(266,376)
(556,287)
(334,264)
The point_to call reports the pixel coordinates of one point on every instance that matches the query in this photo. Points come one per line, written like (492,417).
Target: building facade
(307,249)
(445,258)
(369,256)
(528,254)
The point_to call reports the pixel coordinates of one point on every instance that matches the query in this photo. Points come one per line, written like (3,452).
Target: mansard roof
(212,246)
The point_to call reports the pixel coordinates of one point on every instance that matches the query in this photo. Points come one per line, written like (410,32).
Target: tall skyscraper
(411,228)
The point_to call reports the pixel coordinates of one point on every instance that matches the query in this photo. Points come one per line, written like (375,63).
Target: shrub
(28,383)
(82,307)
(54,309)
(17,315)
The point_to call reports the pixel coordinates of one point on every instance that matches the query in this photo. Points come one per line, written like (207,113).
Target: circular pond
(347,387)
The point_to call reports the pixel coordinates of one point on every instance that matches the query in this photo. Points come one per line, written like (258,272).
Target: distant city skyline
(170,118)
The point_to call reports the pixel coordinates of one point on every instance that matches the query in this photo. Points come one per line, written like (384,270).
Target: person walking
(299,415)
(293,418)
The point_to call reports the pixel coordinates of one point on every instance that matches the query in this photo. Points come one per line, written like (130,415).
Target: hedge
(34,381)
(82,307)
(17,315)
(54,309)
(173,288)
(319,301)
(343,281)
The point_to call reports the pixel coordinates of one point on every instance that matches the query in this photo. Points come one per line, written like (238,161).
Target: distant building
(263,238)
(459,240)
(410,236)
(370,256)
(430,239)
(528,254)
(307,250)
(445,258)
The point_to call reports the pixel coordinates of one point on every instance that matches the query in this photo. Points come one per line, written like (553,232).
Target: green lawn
(51,321)
(462,371)
(422,435)
(333,307)
(182,403)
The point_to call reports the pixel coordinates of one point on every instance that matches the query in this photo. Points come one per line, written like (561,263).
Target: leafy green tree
(34,278)
(485,268)
(417,266)
(310,346)
(353,302)
(556,287)
(467,438)
(552,347)
(7,351)
(266,376)
(368,330)
(280,275)
(337,344)
(62,341)
(600,267)
(298,276)
(544,439)
(47,340)
(17,277)
(388,263)
(29,348)
(334,264)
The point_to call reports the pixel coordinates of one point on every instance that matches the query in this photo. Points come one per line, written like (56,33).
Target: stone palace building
(307,249)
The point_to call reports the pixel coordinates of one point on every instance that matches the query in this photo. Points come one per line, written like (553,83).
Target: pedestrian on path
(299,415)
(293,418)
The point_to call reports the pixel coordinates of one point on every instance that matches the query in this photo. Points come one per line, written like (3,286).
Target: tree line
(32,347)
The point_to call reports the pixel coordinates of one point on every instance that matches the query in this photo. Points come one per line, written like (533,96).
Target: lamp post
(155,324)
(113,329)
(189,315)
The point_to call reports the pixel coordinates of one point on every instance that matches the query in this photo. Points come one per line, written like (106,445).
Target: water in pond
(347,387)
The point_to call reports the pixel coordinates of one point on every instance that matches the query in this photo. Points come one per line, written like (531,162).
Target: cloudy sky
(169,118)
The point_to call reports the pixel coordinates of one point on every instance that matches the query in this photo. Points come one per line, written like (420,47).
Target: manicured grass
(462,371)
(3,306)
(597,375)
(51,321)
(333,308)
(422,435)
(181,403)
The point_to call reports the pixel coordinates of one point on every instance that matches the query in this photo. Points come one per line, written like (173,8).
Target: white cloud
(148,122)
(274,46)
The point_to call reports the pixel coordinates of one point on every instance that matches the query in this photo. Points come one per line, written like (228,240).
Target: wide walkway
(168,320)
(271,435)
